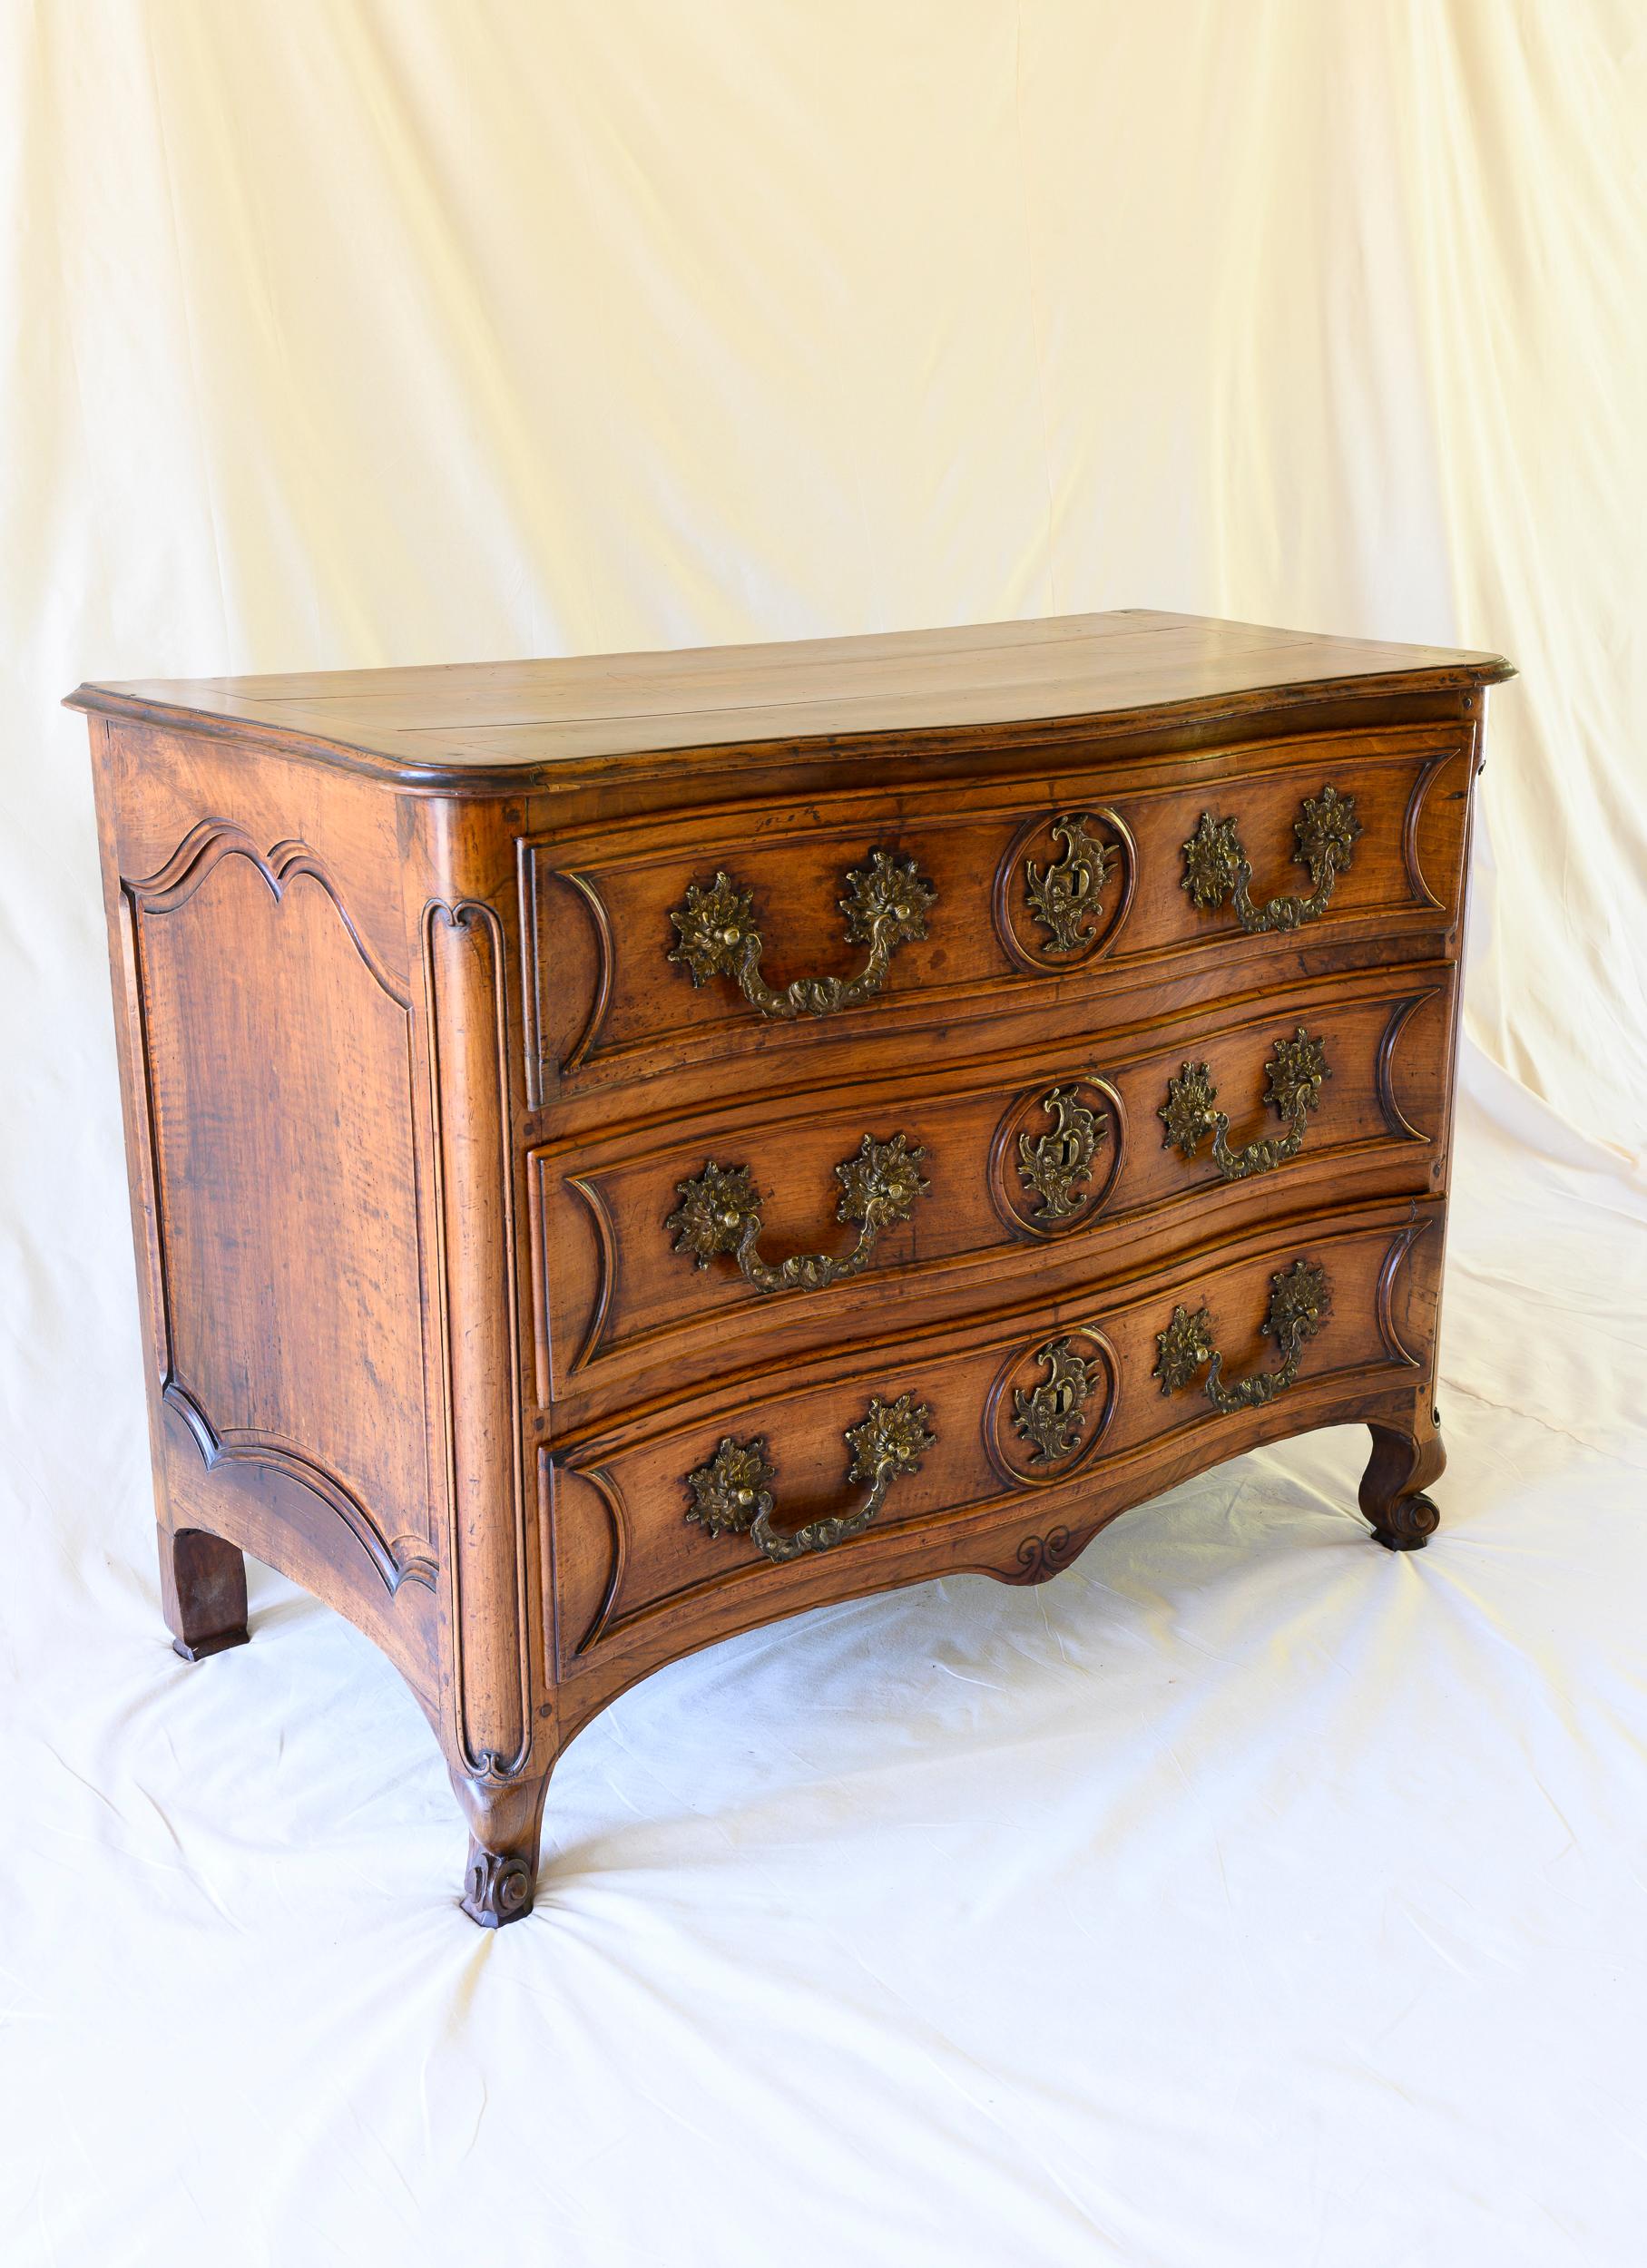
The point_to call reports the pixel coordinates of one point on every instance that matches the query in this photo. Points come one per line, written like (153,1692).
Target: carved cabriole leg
(504,1817)
(1401,1467)
(202,1588)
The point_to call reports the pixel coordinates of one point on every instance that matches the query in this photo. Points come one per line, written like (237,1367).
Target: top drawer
(680,944)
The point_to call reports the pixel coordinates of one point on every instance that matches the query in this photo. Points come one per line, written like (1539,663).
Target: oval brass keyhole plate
(1055,1155)
(1064,888)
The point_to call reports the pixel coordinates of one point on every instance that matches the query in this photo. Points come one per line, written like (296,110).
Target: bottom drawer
(774,1493)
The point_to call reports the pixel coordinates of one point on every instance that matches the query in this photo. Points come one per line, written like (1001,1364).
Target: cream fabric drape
(342,333)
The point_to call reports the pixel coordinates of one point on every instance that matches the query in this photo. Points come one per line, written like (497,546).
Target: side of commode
(311,1014)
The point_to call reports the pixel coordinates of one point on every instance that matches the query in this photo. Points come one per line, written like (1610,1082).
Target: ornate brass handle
(885,906)
(1296,1072)
(1300,1300)
(1216,867)
(721,1212)
(732,1492)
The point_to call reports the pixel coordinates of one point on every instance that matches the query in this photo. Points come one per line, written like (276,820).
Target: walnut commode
(624,1149)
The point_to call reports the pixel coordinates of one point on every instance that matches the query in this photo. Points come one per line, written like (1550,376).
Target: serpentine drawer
(624,1149)
(999,1447)
(770,930)
(680,1246)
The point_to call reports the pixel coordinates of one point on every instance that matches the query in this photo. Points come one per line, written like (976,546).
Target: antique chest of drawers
(624,1149)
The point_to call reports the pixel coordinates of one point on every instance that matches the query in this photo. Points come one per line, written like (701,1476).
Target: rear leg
(202,1585)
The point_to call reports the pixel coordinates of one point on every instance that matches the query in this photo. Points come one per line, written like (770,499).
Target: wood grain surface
(494,715)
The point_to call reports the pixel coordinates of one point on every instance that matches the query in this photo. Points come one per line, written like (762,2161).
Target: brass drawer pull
(732,1492)
(1216,867)
(886,904)
(1296,1072)
(721,1212)
(1300,1301)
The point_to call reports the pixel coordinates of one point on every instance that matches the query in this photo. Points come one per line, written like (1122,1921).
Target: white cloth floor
(1244,1895)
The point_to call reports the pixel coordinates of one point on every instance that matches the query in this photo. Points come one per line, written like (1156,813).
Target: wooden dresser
(624,1149)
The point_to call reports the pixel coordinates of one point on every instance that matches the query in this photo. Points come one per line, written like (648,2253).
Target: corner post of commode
(498,1728)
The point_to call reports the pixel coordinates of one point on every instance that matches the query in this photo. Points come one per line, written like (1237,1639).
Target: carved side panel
(278,1061)
(490,1607)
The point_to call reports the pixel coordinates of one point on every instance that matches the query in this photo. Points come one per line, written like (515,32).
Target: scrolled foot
(497,1888)
(1412,1522)
(505,1816)
(1401,1467)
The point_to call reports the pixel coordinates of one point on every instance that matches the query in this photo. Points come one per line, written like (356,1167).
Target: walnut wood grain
(430,726)
(410,1083)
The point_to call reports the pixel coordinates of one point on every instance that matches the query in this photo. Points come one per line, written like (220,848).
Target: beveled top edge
(502,726)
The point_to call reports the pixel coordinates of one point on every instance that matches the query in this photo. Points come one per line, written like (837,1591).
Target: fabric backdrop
(1236,1899)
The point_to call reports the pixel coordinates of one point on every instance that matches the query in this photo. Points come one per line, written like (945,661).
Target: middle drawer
(669,1244)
